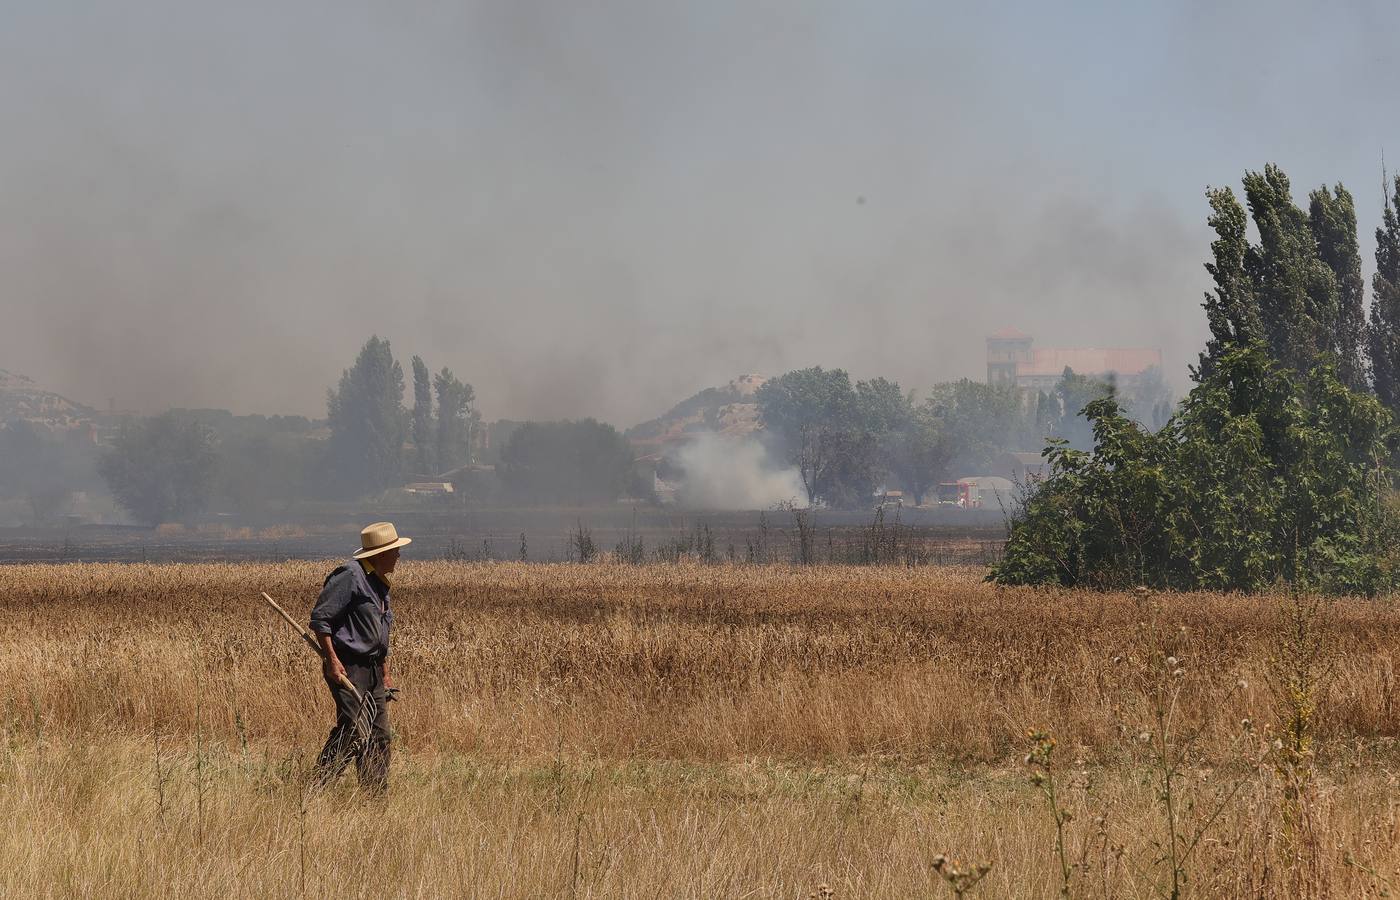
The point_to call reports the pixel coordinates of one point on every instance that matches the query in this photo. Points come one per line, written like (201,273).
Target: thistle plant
(1300,664)
(1040,759)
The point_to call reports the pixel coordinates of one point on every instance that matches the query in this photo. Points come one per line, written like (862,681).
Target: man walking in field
(351,622)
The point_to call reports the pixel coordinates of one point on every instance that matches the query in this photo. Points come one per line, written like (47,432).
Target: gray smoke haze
(599,208)
(735,473)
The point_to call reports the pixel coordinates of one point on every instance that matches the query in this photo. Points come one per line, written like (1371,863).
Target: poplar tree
(1295,289)
(368,422)
(1384,330)
(1333,219)
(422,417)
(1298,291)
(1232,312)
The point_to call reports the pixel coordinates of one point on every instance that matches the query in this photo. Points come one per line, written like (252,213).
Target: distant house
(429,488)
(1012,360)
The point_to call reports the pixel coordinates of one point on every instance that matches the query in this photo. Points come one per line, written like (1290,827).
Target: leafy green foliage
(1232,312)
(1299,289)
(832,431)
(1333,220)
(1261,476)
(162,468)
(1294,287)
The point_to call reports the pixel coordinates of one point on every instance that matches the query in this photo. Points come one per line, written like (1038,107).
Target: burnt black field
(633,534)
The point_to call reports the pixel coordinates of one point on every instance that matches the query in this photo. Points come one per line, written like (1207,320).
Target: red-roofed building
(1012,360)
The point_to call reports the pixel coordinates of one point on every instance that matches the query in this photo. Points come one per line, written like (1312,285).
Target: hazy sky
(598,208)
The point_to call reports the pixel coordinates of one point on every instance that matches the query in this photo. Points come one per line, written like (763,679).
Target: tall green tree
(1383,335)
(836,434)
(809,411)
(880,405)
(161,469)
(1296,290)
(1333,220)
(454,401)
(368,422)
(423,436)
(1232,310)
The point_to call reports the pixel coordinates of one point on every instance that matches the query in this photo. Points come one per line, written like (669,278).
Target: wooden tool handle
(310,641)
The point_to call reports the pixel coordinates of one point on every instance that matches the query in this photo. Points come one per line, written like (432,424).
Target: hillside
(729,410)
(21,398)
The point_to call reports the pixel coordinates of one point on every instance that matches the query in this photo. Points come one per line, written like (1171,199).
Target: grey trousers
(372,756)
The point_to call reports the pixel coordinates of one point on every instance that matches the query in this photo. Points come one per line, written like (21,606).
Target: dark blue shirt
(354,610)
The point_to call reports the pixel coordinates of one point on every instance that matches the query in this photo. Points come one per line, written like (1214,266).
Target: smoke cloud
(726,473)
(594,209)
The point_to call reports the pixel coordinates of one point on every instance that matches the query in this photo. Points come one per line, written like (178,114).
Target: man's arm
(331,666)
(330,606)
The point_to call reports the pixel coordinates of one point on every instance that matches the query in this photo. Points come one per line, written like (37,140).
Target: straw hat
(377,538)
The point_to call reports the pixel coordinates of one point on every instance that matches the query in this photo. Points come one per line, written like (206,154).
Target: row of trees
(370,424)
(1279,464)
(846,439)
(1299,292)
(175,465)
(568,463)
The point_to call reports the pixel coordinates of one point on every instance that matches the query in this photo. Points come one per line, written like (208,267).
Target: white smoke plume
(735,473)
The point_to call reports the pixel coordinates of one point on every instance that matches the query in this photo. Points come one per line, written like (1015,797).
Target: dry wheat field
(700,731)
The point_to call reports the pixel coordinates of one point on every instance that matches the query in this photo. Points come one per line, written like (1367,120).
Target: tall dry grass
(683,731)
